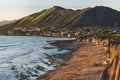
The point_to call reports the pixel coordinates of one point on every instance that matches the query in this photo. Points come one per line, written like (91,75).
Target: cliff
(112,71)
(111,57)
(111,44)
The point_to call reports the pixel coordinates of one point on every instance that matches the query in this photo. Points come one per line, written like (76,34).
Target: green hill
(58,18)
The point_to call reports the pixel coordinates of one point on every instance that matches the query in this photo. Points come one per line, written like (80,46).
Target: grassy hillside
(58,18)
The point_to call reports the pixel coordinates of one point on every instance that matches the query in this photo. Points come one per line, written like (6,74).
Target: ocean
(24,57)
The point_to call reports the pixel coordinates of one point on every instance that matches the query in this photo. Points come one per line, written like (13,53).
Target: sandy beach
(84,64)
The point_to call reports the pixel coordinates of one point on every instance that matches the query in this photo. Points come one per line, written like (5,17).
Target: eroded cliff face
(112,71)
(112,59)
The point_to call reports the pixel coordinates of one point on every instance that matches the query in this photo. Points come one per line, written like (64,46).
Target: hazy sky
(15,9)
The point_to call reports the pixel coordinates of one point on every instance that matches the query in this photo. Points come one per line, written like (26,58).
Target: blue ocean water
(21,55)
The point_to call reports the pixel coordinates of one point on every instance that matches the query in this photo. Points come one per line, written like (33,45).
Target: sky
(15,9)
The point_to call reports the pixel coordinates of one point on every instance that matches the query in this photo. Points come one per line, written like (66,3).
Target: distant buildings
(79,32)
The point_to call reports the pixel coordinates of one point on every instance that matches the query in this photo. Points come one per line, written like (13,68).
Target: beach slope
(85,64)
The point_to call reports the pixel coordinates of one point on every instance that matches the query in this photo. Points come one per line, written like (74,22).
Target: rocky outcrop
(111,57)
(112,71)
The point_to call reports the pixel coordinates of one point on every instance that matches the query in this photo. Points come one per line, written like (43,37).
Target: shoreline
(59,59)
(75,69)
(70,45)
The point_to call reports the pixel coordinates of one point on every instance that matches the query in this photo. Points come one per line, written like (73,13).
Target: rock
(38,67)
(21,76)
(13,68)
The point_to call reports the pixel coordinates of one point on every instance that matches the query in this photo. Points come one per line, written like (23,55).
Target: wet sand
(84,64)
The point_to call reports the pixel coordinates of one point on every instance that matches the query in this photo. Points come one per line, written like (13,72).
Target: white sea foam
(22,56)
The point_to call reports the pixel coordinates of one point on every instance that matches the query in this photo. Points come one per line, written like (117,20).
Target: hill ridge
(58,18)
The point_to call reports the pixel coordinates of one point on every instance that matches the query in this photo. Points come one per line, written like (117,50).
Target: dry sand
(85,64)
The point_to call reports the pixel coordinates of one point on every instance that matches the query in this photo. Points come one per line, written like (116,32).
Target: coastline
(25,58)
(71,45)
(59,59)
(80,65)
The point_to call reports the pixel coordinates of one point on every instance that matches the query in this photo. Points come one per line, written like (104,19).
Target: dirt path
(85,64)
